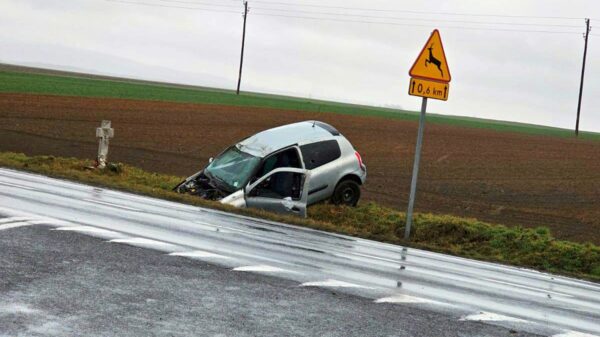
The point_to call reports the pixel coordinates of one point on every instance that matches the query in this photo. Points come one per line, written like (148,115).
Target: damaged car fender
(235,199)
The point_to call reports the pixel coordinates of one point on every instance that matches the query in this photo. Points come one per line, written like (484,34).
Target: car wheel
(346,193)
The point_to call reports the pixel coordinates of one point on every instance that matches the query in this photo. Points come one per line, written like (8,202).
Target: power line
(352,21)
(199,3)
(415,25)
(416,12)
(172,6)
(413,19)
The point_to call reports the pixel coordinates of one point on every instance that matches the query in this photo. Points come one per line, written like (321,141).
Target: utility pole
(587,33)
(243,42)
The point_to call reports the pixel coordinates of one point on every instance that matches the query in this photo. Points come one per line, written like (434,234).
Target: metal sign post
(415,173)
(430,77)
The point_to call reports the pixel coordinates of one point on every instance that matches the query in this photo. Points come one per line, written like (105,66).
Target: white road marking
(574,334)
(527,287)
(261,268)
(333,283)
(17,308)
(15,219)
(490,316)
(199,254)
(27,221)
(14,225)
(141,241)
(403,299)
(47,222)
(112,205)
(87,229)
(19,186)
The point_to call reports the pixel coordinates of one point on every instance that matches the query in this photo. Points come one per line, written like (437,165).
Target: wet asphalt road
(68,284)
(78,261)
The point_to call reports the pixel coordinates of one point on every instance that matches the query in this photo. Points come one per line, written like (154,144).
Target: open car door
(283,190)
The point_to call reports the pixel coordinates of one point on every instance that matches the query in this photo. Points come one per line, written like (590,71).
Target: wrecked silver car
(284,170)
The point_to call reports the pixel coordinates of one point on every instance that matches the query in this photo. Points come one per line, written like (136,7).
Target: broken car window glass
(232,168)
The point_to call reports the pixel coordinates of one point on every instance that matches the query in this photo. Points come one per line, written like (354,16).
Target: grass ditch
(525,247)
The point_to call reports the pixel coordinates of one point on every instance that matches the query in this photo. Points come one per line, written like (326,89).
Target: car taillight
(360,162)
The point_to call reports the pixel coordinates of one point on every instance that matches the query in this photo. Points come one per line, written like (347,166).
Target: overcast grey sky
(518,76)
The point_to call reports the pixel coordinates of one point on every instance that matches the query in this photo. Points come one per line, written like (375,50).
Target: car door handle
(295,209)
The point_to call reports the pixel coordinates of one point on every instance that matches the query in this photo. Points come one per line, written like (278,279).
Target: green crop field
(14,81)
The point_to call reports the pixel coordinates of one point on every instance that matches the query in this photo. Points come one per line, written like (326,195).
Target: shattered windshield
(232,168)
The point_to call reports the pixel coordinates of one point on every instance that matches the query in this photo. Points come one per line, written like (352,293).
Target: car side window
(320,153)
(280,185)
(286,158)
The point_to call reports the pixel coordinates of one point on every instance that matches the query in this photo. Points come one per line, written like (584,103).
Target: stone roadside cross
(103,133)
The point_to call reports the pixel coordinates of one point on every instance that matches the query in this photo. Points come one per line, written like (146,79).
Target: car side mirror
(210,160)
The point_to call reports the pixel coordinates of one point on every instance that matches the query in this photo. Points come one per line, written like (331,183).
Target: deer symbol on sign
(433,60)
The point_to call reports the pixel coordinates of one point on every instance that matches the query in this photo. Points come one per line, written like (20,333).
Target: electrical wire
(415,25)
(414,19)
(171,6)
(140,3)
(414,12)
(199,3)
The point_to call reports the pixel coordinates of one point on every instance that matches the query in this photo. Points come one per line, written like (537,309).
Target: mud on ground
(506,178)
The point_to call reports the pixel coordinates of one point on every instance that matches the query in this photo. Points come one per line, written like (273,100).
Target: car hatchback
(284,170)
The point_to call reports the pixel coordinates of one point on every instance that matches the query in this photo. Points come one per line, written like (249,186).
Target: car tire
(346,193)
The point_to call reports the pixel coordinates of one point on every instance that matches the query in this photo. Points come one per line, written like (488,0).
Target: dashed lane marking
(48,222)
(15,225)
(141,242)
(88,230)
(403,299)
(262,268)
(199,254)
(491,317)
(21,221)
(15,219)
(333,284)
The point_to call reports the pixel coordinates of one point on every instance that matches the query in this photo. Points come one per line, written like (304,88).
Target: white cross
(103,133)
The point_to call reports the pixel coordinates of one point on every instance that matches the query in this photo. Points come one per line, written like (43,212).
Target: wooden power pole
(587,33)
(243,42)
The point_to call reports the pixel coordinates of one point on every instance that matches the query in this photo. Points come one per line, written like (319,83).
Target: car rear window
(320,153)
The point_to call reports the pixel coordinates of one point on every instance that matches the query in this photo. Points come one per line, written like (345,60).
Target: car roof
(271,140)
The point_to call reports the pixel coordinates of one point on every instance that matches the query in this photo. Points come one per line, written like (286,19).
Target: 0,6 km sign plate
(430,89)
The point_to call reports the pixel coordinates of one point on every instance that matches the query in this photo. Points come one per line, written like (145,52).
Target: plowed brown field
(505,178)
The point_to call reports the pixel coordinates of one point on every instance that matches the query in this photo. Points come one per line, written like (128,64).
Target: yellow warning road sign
(431,63)
(431,89)
(430,79)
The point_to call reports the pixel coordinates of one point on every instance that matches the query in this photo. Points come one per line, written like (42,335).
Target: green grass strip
(28,82)
(526,247)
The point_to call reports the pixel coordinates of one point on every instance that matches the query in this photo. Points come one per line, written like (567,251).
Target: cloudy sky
(329,49)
